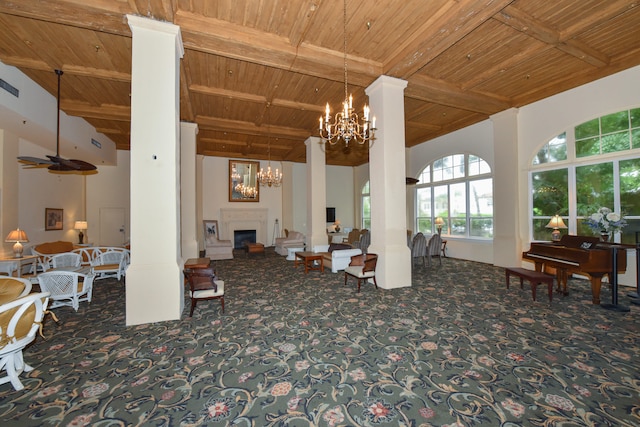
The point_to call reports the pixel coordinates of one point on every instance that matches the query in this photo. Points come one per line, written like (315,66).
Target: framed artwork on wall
(210,229)
(53,219)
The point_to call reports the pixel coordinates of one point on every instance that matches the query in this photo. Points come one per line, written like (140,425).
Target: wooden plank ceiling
(259,72)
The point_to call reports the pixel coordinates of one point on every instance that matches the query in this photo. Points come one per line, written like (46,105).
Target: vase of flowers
(606,223)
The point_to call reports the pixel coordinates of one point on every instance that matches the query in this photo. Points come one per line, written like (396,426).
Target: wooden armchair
(362,267)
(203,285)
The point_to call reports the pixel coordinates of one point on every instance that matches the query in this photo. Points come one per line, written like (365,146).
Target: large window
(594,165)
(459,189)
(366,207)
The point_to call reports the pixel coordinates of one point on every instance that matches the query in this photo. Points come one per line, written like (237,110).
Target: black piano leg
(614,285)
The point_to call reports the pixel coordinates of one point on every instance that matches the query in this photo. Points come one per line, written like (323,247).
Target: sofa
(294,239)
(336,256)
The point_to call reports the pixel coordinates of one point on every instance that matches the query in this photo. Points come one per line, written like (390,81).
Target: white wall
(340,194)
(476,139)
(33,116)
(215,176)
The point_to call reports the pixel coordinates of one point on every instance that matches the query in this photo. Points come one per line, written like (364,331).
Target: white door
(112,227)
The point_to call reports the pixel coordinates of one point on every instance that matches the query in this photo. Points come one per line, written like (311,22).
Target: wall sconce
(80,225)
(556,222)
(439,223)
(17,236)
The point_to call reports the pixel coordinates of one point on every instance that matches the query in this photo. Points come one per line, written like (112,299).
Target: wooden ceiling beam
(444,93)
(229,40)
(249,128)
(455,20)
(107,18)
(527,24)
(104,112)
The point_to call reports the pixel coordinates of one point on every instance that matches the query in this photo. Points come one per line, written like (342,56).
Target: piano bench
(534,277)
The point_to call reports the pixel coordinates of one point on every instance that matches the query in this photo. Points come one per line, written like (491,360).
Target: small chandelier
(269,178)
(346,123)
(247,191)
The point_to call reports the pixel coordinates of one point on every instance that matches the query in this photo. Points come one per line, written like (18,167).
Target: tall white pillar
(387,184)
(155,273)
(506,238)
(316,193)
(188,132)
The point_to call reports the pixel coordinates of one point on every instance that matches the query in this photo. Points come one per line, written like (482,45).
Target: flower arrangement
(606,221)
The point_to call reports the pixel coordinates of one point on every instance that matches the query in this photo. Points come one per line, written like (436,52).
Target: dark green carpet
(456,349)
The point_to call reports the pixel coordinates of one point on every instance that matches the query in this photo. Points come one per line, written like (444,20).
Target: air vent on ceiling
(96,143)
(12,90)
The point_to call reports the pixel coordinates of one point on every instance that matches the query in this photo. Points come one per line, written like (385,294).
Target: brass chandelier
(269,178)
(346,125)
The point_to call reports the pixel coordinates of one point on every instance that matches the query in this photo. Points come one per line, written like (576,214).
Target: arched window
(596,164)
(366,207)
(459,189)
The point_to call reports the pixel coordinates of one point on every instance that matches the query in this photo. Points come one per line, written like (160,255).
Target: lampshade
(17,236)
(80,225)
(439,221)
(556,222)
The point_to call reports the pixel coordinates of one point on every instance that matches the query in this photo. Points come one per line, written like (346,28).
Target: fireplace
(232,220)
(240,237)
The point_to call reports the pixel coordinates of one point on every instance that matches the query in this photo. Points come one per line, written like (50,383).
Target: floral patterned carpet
(455,349)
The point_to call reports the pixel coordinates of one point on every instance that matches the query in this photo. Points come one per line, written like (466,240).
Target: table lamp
(439,223)
(80,225)
(337,224)
(17,236)
(556,222)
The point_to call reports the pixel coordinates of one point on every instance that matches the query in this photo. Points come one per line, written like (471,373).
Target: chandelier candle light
(346,124)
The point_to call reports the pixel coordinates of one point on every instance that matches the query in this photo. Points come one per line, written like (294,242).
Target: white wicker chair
(111,263)
(20,319)
(67,288)
(65,260)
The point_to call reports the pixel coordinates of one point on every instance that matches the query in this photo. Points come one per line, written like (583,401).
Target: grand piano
(577,255)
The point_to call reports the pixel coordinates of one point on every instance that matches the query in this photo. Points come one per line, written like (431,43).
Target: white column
(154,289)
(188,132)
(388,185)
(507,245)
(316,193)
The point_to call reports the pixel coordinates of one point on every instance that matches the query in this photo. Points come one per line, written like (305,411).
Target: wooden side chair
(203,285)
(362,267)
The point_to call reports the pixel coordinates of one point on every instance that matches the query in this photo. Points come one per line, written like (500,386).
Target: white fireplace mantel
(244,219)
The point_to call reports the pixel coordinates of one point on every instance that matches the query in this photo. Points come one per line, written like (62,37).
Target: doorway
(112,227)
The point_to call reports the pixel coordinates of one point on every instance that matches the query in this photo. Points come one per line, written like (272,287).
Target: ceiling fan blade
(83,166)
(35,161)
(59,167)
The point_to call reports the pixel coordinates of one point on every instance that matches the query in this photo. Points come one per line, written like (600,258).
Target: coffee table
(308,258)
(254,248)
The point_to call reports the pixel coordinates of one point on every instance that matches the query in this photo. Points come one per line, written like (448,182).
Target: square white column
(155,272)
(387,184)
(316,193)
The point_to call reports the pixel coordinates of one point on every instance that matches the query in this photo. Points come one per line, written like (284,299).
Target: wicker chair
(20,319)
(67,288)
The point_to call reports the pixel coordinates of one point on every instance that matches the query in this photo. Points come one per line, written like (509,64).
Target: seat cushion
(10,289)
(356,270)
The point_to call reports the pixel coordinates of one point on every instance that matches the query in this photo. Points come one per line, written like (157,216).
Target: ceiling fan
(57,163)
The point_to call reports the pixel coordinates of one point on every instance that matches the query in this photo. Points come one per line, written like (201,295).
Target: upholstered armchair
(214,248)
(434,248)
(419,247)
(295,239)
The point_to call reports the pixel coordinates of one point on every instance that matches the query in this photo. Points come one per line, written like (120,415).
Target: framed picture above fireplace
(243,181)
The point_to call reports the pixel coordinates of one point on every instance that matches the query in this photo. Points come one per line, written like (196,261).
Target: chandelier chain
(345,125)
